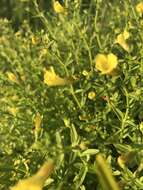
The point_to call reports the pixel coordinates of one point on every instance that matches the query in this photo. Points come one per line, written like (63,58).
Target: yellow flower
(85,73)
(58,8)
(37,122)
(12,77)
(121,40)
(36,182)
(51,79)
(106,63)
(139,7)
(91,95)
(35,40)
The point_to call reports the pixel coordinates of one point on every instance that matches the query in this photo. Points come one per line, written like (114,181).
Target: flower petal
(122,42)
(101,63)
(112,60)
(51,79)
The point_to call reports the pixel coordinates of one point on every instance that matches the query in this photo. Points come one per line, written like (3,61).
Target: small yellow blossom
(12,77)
(36,182)
(139,7)
(35,40)
(58,8)
(37,122)
(13,111)
(91,95)
(51,79)
(85,73)
(121,40)
(106,63)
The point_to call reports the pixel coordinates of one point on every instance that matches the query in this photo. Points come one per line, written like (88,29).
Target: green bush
(95,113)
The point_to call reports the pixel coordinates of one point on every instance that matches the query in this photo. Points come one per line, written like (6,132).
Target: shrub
(95,112)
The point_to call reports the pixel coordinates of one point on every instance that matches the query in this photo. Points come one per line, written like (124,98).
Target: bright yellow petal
(101,63)
(34,40)
(126,34)
(112,61)
(122,42)
(58,8)
(125,46)
(106,63)
(139,7)
(51,79)
(120,39)
(91,95)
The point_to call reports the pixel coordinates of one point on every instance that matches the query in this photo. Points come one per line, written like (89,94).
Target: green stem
(43,19)
(75,98)
(135,16)
(123,123)
(96,29)
(87,47)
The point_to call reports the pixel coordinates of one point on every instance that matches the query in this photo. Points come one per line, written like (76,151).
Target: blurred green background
(17,11)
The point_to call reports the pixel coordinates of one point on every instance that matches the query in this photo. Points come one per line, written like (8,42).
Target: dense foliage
(92,112)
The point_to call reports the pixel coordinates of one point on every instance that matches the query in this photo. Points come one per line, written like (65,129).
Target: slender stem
(96,29)
(74,97)
(123,123)
(43,19)
(135,16)
(87,47)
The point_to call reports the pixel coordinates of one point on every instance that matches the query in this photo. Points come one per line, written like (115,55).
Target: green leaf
(89,152)
(81,176)
(74,136)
